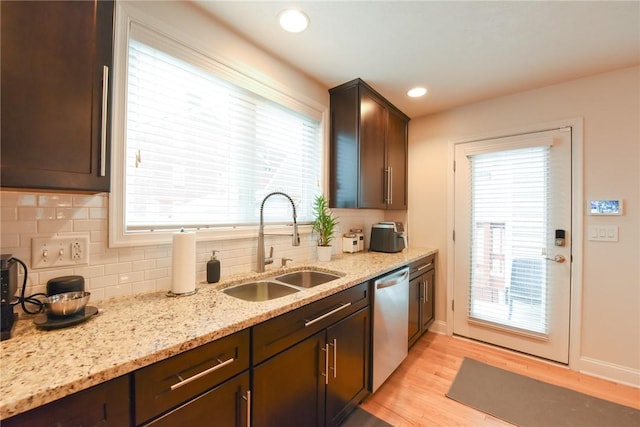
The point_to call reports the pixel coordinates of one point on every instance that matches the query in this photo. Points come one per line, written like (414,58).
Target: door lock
(558,258)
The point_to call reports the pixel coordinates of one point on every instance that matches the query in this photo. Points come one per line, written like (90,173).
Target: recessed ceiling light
(416,92)
(293,20)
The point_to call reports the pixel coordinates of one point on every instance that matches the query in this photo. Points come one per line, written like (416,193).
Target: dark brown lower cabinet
(226,405)
(318,381)
(104,405)
(421,297)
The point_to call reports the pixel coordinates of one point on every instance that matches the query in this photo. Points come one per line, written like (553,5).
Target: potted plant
(324,224)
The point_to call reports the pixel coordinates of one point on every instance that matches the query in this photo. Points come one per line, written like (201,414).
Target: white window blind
(509,192)
(203,152)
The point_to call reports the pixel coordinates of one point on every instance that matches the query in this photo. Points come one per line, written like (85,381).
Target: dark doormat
(361,418)
(528,402)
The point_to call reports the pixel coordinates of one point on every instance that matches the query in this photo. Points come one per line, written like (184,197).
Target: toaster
(387,237)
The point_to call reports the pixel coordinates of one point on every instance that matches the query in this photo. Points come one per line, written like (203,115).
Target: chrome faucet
(262,260)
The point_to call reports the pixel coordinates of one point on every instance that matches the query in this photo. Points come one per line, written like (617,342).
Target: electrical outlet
(59,251)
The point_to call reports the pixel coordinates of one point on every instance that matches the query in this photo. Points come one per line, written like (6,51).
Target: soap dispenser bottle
(213,268)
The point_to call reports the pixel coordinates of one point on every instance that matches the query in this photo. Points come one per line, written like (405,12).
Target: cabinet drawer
(275,335)
(422,265)
(104,405)
(169,383)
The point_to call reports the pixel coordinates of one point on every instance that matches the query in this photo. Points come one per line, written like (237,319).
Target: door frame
(577,215)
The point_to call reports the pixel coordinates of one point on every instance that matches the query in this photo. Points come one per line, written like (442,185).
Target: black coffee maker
(8,289)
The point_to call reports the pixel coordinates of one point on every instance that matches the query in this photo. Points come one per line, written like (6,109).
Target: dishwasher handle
(392,279)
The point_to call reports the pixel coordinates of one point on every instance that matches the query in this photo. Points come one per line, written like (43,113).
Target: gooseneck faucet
(262,260)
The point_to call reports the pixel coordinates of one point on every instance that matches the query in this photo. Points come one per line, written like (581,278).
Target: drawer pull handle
(248,399)
(422,267)
(201,374)
(103,118)
(325,374)
(324,316)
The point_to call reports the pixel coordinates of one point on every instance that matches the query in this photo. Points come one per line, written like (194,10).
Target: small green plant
(324,223)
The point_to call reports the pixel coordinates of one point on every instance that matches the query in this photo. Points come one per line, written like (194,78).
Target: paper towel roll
(183,276)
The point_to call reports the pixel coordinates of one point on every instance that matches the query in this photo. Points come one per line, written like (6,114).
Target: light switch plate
(603,233)
(59,251)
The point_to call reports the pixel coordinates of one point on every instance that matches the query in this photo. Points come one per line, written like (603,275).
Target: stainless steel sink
(260,291)
(307,278)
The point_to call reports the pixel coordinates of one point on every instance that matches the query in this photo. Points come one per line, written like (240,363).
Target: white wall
(609,339)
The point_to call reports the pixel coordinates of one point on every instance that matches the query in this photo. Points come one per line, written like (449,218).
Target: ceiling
(462,52)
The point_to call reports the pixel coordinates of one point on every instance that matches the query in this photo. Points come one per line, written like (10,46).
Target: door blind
(203,152)
(509,214)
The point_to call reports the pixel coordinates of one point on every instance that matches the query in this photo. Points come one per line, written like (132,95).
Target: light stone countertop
(38,367)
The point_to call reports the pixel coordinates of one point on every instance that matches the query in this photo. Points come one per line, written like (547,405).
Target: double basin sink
(279,286)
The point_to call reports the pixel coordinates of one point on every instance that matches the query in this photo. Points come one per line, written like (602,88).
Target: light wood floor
(414,395)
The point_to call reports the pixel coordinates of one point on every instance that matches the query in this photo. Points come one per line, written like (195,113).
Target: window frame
(242,75)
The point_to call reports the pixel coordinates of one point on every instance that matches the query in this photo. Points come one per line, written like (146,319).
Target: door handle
(558,258)
(248,399)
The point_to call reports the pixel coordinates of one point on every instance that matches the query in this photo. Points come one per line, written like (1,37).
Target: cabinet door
(396,161)
(373,131)
(288,389)
(53,55)
(348,343)
(427,315)
(104,405)
(224,406)
(415,302)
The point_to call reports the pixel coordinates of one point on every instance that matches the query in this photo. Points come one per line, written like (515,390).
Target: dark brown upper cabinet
(368,152)
(56,58)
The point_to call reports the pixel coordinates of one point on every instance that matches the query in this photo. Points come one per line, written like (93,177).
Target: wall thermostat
(605,207)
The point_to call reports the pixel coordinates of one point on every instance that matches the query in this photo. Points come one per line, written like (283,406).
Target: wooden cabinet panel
(421,297)
(397,161)
(373,133)
(368,160)
(349,344)
(415,287)
(53,54)
(223,406)
(288,389)
(167,384)
(104,405)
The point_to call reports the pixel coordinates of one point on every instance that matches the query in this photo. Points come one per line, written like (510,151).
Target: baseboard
(438,327)
(609,371)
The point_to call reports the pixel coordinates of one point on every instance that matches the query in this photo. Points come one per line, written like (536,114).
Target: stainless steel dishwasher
(390,324)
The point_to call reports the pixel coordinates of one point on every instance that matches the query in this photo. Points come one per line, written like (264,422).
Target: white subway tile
(123,267)
(72,213)
(53,226)
(94,201)
(55,200)
(20,226)
(31,213)
(89,225)
(8,213)
(157,273)
(102,281)
(117,291)
(90,271)
(98,213)
(132,276)
(27,200)
(147,264)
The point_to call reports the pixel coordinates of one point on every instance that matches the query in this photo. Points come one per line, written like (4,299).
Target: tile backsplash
(115,272)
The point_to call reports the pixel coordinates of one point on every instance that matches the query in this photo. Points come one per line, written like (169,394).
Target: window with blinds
(509,214)
(202,151)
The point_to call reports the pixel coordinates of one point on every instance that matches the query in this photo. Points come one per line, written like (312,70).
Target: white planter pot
(324,253)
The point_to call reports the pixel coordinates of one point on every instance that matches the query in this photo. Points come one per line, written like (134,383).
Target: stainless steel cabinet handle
(103,130)
(326,363)
(324,316)
(422,267)
(335,357)
(248,399)
(201,374)
(390,185)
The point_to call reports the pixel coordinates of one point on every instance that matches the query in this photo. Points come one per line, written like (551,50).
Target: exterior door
(512,253)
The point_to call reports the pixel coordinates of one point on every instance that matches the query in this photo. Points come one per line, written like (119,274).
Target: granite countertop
(131,332)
